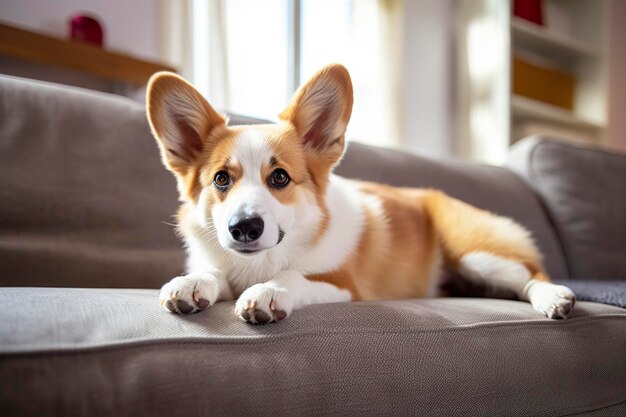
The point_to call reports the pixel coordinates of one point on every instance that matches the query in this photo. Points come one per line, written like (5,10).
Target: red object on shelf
(531,10)
(86,29)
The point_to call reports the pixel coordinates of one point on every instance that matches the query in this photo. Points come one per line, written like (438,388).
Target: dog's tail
(463,230)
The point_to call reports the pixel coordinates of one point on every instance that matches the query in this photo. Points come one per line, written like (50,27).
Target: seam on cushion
(587,410)
(579,410)
(267,339)
(565,249)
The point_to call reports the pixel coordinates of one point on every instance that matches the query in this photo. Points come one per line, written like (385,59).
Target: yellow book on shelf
(545,84)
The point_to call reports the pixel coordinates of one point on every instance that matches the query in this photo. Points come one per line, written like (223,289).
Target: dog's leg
(194,292)
(555,301)
(497,252)
(288,291)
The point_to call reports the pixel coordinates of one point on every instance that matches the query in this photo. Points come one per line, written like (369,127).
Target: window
(260,51)
(257,42)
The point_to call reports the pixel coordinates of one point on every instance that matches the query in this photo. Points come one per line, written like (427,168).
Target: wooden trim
(43,49)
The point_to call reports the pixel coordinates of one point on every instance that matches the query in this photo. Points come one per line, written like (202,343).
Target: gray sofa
(85,243)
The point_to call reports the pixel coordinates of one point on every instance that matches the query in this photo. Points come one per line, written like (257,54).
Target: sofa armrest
(582,187)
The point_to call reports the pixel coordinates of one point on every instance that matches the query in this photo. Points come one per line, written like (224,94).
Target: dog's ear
(181,120)
(320,111)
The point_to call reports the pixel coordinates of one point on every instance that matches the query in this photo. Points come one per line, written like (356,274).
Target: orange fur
(463,228)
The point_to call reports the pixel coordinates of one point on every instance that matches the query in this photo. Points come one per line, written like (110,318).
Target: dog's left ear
(181,120)
(320,111)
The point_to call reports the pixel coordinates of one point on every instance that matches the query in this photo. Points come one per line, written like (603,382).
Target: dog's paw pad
(184,307)
(256,316)
(169,305)
(280,315)
(561,309)
(262,304)
(262,317)
(187,295)
(202,303)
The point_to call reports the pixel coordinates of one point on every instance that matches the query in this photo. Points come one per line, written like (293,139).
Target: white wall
(428,75)
(130,26)
(617,76)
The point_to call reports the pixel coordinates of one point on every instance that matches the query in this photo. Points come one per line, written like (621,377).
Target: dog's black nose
(245,229)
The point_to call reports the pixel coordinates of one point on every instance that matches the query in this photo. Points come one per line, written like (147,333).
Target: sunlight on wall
(484,40)
(200,53)
(487,83)
(256,38)
(352,35)
(485,63)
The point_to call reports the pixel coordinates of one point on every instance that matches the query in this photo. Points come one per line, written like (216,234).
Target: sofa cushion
(584,191)
(115,352)
(491,188)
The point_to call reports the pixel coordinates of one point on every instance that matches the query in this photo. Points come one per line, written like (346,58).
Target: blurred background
(451,77)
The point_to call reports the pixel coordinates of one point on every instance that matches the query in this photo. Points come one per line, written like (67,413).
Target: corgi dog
(267,223)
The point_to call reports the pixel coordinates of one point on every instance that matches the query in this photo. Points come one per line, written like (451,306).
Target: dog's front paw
(554,301)
(189,294)
(264,303)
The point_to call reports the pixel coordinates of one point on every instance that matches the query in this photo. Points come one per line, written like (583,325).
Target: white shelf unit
(572,39)
(528,35)
(525,107)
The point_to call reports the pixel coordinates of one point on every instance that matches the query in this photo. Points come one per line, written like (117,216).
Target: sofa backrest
(85,201)
(584,189)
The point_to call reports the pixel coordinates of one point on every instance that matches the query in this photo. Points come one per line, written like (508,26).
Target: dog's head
(253,186)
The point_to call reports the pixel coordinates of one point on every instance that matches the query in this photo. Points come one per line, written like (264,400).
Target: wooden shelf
(526,108)
(536,39)
(43,49)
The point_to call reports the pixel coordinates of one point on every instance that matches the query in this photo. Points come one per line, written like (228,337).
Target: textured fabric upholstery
(115,352)
(83,194)
(584,189)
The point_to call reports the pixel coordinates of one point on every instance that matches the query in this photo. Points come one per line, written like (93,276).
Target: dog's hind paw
(189,294)
(554,301)
(263,303)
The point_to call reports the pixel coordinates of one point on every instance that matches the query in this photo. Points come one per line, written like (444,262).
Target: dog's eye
(221,180)
(279,178)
